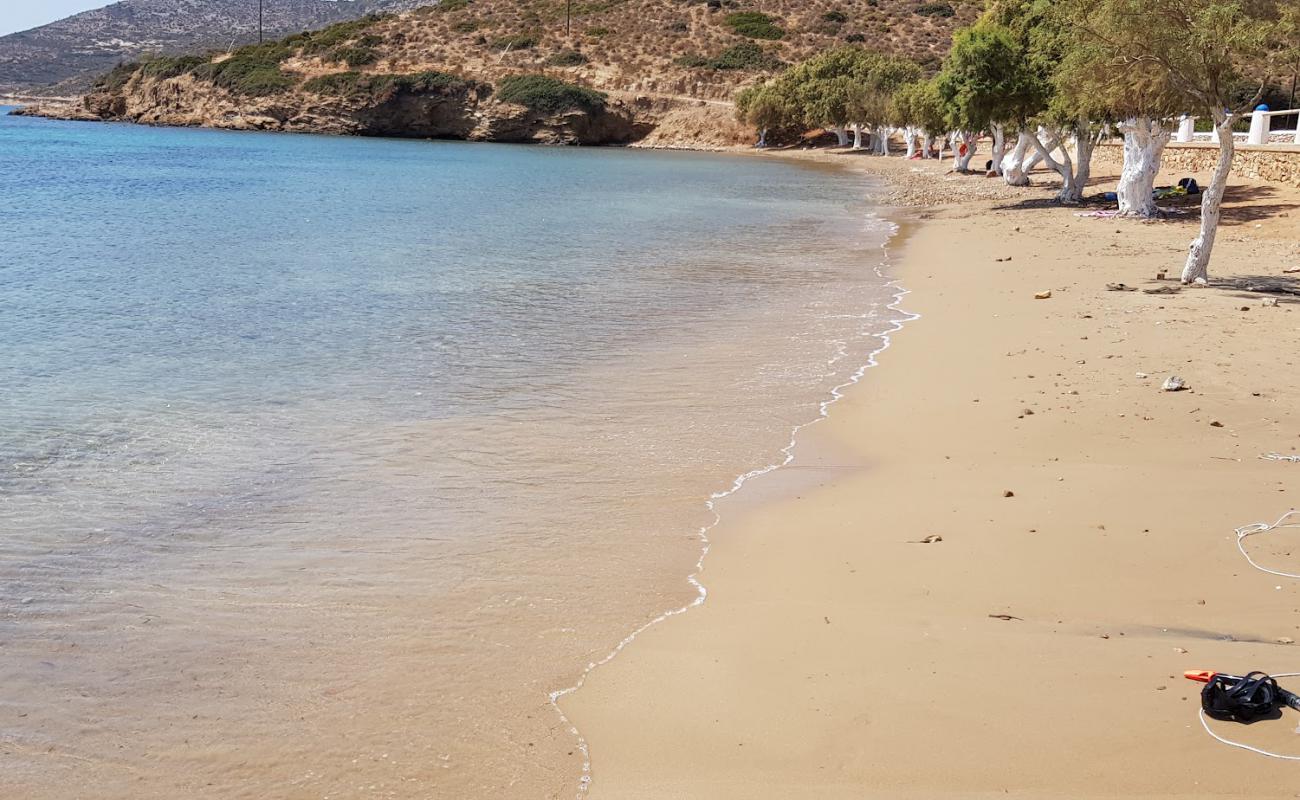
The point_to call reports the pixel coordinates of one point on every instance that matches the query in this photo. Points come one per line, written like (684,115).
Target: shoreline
(901,226)
(711,693)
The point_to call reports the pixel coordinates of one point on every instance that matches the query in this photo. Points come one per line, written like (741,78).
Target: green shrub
(548,95)
(746,55)
(935,10)
(465,25)
(355,56)
(755,25)
(118,77)
(253,71)
(855,38)
(598,32)
(336,35)
(836,17)
(452,5)
(518,41)
(164,68)
(567,58)
(380,88)
(341,84)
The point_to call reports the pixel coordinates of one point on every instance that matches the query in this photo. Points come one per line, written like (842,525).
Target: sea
(326,464)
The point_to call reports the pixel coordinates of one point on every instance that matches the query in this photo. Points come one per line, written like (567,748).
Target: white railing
(1259,133)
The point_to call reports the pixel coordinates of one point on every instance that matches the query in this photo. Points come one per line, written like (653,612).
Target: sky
(19,15)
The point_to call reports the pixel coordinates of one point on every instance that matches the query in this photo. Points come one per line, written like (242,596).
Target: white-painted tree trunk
(1012,165)
(1144,142)
(1197,267)
(927,141)
(882,140)
(962,162)
(909,138)
(1074,177)
(1087,137)
(841,134)
(857,137)
(999,147)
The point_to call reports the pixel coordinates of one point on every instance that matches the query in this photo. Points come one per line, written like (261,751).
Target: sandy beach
(1087,554)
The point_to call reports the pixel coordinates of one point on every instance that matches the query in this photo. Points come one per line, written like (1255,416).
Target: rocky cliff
(65,57)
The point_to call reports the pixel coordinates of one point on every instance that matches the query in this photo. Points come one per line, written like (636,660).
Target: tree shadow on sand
(1284,287)
(1241,204)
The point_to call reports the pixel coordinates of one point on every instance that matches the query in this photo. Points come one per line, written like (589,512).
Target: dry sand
(836,658)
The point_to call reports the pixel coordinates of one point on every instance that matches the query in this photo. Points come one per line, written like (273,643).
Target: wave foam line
(787,455)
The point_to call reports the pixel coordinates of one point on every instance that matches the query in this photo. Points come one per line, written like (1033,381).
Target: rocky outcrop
(472,114)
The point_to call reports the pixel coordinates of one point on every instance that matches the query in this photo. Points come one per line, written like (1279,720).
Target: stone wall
(1274,164)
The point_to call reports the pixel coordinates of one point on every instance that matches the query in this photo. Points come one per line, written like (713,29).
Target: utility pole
(568,17)
(260,4)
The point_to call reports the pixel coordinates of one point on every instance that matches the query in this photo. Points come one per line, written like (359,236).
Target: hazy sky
(19,15)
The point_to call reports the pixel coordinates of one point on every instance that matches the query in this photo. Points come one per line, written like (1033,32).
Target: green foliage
(335,36)
(465,25)
(517,41)
(989,78)
(381,88)
(744,56)
(452,5)
(567,58)
(1179,55)
(755,25)
(252,71)
(835,17)
(549,95)
(935,10)
(355,56)
(118,77)
(919,105)
(836,87)
(598,32)
(163,68)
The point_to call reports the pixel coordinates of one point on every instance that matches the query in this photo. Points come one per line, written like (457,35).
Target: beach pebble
(1143,375)
(1284,640)
(1174,384)
(27,601)
(1042,295)
(1008,493)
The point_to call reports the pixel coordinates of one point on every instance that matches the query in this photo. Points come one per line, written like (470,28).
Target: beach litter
(1174,384)
(1005,617)
(1121,287)
(1281,457)
(1164,290)
(933,538)
(1042,295)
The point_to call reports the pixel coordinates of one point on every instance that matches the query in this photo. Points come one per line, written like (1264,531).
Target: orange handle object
(1200,675)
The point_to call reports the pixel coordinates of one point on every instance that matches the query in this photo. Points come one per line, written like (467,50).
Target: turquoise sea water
(316,447)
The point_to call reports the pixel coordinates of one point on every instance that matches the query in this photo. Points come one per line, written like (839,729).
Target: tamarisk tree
(1207,54)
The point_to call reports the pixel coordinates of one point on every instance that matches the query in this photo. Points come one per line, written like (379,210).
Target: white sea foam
(787,453)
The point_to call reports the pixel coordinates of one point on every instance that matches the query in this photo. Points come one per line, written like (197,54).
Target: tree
(918,108)
(1002,74)
(1199,52)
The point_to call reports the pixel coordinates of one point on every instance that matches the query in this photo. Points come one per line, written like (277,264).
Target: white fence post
(1186,129)
(1258,127)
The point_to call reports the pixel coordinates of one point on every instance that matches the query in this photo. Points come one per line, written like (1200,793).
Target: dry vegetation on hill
(697,48)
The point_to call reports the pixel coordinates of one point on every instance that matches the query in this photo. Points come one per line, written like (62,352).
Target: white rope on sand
(1280,457)
(1264,527)
(1205,723)
(1242,533)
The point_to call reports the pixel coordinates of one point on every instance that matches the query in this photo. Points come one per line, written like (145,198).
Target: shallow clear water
(324,460)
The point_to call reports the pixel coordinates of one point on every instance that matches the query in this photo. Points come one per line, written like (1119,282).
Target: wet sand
(1087,555)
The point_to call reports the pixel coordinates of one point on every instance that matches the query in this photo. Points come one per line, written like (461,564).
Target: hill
(65,56)
(670,66)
